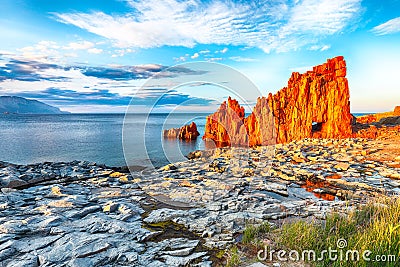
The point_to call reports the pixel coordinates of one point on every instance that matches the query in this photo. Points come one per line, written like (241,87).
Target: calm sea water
(26,139)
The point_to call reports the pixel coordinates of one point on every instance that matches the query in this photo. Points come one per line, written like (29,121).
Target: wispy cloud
(83,45)
(243,59)
(51,51)
(391,26)
(280,25)
(95,50)
(319,47)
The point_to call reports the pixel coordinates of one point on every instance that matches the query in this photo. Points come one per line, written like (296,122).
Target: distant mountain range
(20,105)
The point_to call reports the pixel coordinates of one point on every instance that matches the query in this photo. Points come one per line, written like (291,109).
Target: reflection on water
(310,186)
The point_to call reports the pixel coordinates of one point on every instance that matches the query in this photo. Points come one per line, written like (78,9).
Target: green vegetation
(253,233)
(232,257)
(374,227)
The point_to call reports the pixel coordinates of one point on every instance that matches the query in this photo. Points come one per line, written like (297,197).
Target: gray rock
(14,227)
(179,252)
(78,214)
(163,215)
(6,254)
(27,260)
(28,244)
(12,181)
(90,247)
(181,261)
(110,207)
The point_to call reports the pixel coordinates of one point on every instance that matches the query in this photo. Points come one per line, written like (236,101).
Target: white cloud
(180,59)
(223,51)
(391,26)
(52,52)
(195,55)
(319,47)
(279,25)
(122,52)
(95,50)
(83,45)
(213,59)
(44,51)
(243,59)
(325,47)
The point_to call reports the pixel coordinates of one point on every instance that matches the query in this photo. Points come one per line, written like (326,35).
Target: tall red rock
(314,104)
(226,126)
(260,124)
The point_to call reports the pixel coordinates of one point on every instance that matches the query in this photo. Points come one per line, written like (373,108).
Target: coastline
(86,214)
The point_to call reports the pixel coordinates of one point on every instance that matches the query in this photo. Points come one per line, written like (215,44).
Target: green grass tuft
(252,232)
(233,257)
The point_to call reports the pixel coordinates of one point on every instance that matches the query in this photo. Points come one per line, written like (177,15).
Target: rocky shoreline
(84,214)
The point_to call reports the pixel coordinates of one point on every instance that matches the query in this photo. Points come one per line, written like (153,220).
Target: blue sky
(94,56)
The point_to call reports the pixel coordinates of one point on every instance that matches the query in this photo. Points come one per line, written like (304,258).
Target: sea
(28,139)
(31,138)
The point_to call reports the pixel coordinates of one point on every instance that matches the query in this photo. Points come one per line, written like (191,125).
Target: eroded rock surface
(86,215)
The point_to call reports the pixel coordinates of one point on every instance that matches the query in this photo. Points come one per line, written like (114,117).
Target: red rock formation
(186,132)
(260,124)
(226,126)
(367,119)
(396,111)
(314,104)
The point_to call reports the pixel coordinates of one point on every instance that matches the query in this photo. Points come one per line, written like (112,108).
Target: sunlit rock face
(186,132)
(396,111)
(314,104)
(226,126)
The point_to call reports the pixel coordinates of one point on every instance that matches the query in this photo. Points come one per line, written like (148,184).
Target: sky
(99,56)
